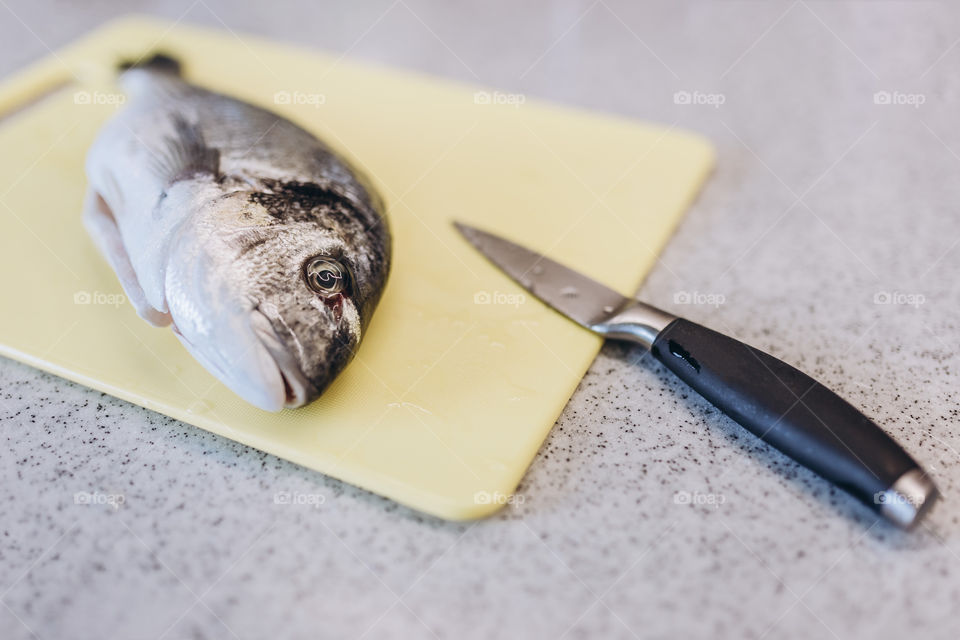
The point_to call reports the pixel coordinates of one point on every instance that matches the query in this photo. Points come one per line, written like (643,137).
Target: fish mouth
(264,373)
(297,388)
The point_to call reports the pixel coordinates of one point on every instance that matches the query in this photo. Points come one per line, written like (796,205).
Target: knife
(776,402)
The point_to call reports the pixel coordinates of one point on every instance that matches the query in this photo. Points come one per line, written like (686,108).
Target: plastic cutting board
(459,377)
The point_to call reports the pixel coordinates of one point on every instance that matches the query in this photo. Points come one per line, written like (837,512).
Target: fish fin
(186,153)
(158,62)
(102,227)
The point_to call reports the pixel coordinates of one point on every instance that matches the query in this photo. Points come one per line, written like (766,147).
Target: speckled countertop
(828,236)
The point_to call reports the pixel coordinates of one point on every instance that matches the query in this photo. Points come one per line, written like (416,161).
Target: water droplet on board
(409,405)
(608,309)
(569,292)
(496,465)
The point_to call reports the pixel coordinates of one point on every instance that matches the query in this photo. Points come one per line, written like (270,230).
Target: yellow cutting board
(460,377)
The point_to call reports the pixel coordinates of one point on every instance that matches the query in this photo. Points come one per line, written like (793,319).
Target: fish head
(275,306)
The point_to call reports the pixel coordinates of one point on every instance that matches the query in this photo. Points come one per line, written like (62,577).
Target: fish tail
(158,62)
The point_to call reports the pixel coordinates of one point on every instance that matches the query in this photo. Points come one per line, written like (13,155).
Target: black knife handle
(799,416)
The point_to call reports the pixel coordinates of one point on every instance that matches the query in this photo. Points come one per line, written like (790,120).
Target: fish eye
(325,275)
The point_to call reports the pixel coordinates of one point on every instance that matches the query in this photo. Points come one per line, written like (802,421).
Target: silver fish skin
(264,250)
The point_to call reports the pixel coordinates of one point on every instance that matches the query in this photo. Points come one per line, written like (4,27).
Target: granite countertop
(828,236)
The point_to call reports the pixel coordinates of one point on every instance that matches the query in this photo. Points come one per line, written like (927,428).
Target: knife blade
(582,299)
(775,401)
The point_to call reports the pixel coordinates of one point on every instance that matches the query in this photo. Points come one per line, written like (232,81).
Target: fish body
(264,250)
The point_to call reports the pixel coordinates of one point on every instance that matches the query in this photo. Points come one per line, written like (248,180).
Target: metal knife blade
(582,299)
